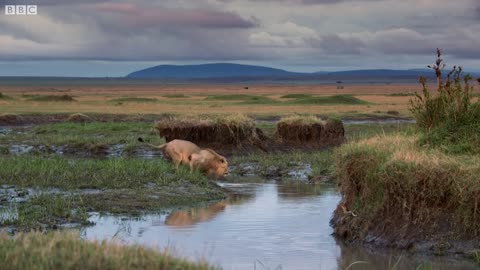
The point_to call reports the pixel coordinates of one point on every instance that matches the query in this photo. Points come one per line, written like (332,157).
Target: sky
(99,38)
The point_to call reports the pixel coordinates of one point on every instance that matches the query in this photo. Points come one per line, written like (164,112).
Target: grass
(54,98)
(176,96)
(83,135)
(392,183)
(133,99)
(127,186)
(46,211)
(4,97)
(237,97)
(330,100)
(301,120)
(296,96)
(28,171)
(65,250)
(401,95)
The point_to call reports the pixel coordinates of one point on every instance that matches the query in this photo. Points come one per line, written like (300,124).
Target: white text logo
(21,10)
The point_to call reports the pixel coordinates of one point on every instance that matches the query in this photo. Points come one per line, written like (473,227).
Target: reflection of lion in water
(194,216)
(185,152)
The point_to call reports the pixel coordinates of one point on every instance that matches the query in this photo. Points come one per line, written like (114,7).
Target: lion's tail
(154,146)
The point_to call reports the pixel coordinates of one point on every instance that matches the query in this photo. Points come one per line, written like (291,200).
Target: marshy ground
(70,158)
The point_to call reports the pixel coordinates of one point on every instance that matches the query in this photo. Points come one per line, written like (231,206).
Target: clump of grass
(448,117)
(46,211)
(331,100)
(301,120)
(310,129)
(224,129)
(65,250)
(79,118)
(296,96)
(400,192)
(10,119)
(176,96)
(4,97)
(133,99)
(55,98)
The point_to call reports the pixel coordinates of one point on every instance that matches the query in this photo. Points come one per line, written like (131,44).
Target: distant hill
(218,70)
(230,73)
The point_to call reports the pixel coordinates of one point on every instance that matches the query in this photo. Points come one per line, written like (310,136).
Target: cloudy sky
(113,38)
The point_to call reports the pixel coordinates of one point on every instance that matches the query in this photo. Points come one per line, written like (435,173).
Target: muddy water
(274,227)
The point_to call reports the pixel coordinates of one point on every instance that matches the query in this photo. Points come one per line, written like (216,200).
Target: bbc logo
(21,10)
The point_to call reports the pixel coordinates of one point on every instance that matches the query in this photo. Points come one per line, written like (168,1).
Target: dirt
(387,230)
(313,134)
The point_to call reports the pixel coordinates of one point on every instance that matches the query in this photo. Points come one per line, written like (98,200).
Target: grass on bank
(45,211)
(65,250)
(392,178)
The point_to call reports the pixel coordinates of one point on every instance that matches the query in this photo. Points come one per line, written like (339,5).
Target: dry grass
(95,99)
(402,192)
(220,129)
(310,130)
(67,251)
(301,120)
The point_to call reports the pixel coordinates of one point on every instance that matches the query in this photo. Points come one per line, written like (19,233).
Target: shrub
(448,117)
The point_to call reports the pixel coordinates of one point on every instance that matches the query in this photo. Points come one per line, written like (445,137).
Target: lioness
(209,163)
(177,150)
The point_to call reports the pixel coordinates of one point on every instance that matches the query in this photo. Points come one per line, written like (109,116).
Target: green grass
(46,211)
(84,135)
(330,100)
(245,99)
(296,96)
(65,250)
(127,186)
(27,171)
(133,99)
(176,96)
(54,98)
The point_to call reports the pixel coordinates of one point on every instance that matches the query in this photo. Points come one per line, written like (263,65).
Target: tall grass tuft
(448,116)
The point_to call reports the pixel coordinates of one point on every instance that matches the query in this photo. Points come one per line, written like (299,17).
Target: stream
(273,226)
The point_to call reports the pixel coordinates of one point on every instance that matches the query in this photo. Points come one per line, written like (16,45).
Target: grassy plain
(262,100)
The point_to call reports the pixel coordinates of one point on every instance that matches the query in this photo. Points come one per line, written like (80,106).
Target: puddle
(20,149)
(5,131)
(300,171)
(273,228)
